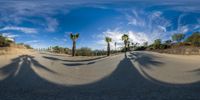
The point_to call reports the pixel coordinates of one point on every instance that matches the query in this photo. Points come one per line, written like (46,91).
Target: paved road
(135,76)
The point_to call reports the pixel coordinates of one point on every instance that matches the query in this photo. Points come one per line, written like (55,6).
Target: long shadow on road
(84,60)
(78,64)
(20,74)
(125,83)
(145,60)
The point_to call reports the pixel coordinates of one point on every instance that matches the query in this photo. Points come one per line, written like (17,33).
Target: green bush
(4,42)
(157,44)
(140,48)
(178,37)
(28,46)
(100,52)
(150,47)
(194,39)
(164,46)
(84,51)
(58,49)
(168,42)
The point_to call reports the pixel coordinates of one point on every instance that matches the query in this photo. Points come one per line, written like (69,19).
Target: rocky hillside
(181,50)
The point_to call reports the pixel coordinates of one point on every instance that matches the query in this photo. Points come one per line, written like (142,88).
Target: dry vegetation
(8,46)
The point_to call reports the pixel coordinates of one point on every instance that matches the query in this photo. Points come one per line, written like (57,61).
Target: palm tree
(108,40)
(74,37)
(129,45)
(125,38)
(115,46)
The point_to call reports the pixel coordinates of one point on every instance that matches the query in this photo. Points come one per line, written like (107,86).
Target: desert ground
(132,76)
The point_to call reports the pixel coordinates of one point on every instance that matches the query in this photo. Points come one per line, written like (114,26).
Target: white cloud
(196,26)
(32,42)
(10,35)
(148,20)
(52,24)
(183,29)
(155,19)
(116,34)
(156,14)
(22,29)
(135,18)
(162,28)
(153,24)
(64,40)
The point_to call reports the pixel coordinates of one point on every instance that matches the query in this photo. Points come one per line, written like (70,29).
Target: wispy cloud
(145,19)
(116,35)
(153,24)
(135,19)
(32,42)
(22,29)
(52,24)
(183,29)
(10,35)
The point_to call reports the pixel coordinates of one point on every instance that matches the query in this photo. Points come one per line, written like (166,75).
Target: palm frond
(125,37)
(74,36)
(108,39)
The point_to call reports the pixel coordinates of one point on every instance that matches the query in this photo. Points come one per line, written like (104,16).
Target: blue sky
(43,23)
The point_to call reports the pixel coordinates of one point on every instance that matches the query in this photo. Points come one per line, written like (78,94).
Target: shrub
(28,46)
(157,44)
(194,39)
(58,49)
(99,52)
(84,51)
(164,46)
(178,37)
(4,41)
(150,47)
(168,42)
(145,44)
(140,48)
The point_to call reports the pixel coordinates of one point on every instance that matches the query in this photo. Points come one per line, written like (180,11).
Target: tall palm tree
(125,38)
(115,46)
(74,37)
(129,45)
(108,40)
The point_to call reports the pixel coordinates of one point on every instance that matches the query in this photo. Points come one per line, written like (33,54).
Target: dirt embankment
(181,51)
(14,49)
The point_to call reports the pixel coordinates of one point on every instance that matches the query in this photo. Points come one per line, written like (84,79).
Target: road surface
(134,76)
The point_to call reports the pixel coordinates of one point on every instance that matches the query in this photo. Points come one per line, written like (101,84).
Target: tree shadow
(122,77)
(78,64)
(18,64)
(124,83)
(52,54)
(11,68)
(145,60)
(37,64)
(85,60)
(51,58)
(196,71)
(75,63)
(127,82)
(21,77)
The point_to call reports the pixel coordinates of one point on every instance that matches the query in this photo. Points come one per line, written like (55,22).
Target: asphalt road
(134,76)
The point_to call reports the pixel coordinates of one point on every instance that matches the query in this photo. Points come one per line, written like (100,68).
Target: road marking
(19,66)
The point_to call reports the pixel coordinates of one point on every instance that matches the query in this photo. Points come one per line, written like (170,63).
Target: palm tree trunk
(74,48)
(108,49)
(128,46)
(125,43)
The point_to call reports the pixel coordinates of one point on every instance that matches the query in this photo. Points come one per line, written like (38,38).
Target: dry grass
(14,50)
